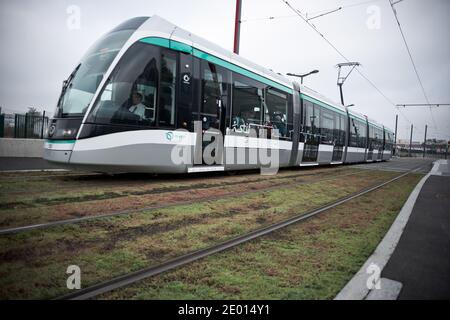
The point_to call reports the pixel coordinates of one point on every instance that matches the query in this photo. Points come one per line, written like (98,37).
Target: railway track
(13,230)
(39,175)
(141,182)
(130,278)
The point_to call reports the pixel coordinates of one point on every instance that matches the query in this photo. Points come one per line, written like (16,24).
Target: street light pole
(301,76)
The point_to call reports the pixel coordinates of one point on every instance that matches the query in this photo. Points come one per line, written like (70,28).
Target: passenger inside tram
(239,123)
(279,122)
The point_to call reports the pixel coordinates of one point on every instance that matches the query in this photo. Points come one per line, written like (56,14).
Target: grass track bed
(33,263)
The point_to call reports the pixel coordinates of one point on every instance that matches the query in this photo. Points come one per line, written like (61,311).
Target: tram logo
(186,79)
(175,136)
(51,130)
(169,136)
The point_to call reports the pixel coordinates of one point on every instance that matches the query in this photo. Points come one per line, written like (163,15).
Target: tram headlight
(69,132)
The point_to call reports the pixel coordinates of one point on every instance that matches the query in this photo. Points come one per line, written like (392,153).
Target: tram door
(338,149)
(214,88)
(310,132)
(371,143)
(382,145)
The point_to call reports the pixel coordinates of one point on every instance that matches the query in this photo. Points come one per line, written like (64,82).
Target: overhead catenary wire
(391,2)
(300,14)
(267,18)
(316,13)
(345,6)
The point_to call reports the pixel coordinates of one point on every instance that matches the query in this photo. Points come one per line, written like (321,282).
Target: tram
(149,87)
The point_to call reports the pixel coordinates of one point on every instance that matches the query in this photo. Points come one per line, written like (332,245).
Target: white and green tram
(149,86)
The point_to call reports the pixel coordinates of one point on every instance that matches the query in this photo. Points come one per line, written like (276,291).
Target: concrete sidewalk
(413,258)
(421,260)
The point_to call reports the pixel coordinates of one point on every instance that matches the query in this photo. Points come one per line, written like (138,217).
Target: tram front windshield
(81,85)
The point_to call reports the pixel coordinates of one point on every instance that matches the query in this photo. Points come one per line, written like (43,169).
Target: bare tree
(33,111)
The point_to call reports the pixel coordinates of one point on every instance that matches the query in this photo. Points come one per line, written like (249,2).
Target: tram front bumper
(58,151)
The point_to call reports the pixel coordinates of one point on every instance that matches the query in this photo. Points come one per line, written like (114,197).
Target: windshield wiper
(66,84)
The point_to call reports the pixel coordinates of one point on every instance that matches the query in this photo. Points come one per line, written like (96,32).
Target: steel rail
(13,230)
(130,278)
(143,183)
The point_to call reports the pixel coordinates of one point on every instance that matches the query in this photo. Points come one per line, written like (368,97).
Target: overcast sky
(39,50)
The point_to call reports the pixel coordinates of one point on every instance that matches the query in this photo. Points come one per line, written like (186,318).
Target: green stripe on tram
(157,41)
(60,141)
(357,118)
(322,104)
(376,126)
(182,47)
(179,46)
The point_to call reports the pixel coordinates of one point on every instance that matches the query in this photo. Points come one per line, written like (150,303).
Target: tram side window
(357,133)
(340,129)
(386,141)
(308,121)
(167,89)
(344,124)
(381,135)
(290,118)
(372,140)
(276,111)
(389,141)
(327,126)
(213,95)
(316,119)
(377,138)
(247,104)
(353,133)
(129,96)
(362,140)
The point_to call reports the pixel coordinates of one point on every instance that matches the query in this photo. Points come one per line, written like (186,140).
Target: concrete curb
(358,287)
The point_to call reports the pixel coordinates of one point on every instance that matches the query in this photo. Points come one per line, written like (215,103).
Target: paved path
(399,164)
(421,260)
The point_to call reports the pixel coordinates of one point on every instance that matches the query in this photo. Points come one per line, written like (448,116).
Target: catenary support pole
(425,142)
(237,26)
(395,134)
(410,140)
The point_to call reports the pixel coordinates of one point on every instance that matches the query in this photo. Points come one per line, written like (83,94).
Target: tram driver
(137,107)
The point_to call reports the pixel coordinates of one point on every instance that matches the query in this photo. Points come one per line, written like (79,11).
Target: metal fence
(2,125)
(28,126)
(436,151)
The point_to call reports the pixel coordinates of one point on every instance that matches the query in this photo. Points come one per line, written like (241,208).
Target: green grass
(310,260)
(29,259)
(33,263)
(39,203)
